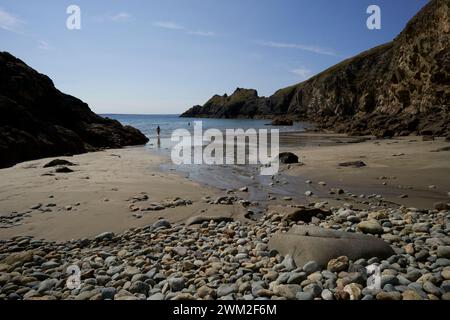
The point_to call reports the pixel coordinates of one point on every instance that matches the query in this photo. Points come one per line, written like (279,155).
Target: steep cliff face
(37,120)
(399,88)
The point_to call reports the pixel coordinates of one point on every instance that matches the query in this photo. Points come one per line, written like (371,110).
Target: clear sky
(163,56)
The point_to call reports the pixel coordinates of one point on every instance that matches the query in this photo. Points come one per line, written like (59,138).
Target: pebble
(305,296)
(225,259)
(311,267)
(370,227)
(176,284)
(225,290)
(443,252)
(389,296)
(338,265)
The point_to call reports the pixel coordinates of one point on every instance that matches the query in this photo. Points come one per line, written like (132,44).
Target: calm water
(225,177)
(168,123)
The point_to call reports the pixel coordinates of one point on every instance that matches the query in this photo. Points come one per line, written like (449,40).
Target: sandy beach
(104,193)
(95,198)
(406,171)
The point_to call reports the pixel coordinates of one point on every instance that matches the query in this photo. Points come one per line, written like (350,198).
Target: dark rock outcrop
(37,120)
(280,122)
(287,158)
(398,88)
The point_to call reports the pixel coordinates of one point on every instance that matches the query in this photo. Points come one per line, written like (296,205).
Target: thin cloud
(10,22)
(202,33)
(168,25)
(122,16)
(309,48)
(43,45)
(302,72)
(175,26)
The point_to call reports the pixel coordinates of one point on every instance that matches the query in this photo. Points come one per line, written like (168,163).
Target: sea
(224,177)
(147,124)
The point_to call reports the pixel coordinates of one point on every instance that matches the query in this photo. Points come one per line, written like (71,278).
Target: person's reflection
(159,142)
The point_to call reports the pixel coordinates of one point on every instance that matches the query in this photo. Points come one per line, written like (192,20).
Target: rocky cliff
(37,120)
(399,88)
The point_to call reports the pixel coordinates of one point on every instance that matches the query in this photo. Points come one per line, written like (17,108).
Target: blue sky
(163,56)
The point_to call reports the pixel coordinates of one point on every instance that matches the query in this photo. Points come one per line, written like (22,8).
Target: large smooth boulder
(310,243)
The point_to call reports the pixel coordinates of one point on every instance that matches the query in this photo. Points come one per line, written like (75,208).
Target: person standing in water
(158,133)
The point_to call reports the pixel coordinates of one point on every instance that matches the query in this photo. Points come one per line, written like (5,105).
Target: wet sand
(97,194)
(95,198)
(406,171)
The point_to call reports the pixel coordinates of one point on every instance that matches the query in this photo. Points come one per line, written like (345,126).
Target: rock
(296,278)
(18,258)
(48,122)
(337,191)
(441,206)
(353,290)
(314,289)
(58,162)
(47,285)
(304,296)
(442,262)
(108,293)
(204,291)
(130,271)
(200,219)
(370,227)
(331,100)
(162,223)
(288,291)
(443,252)
(176,284)
(389,295)
(338,264)
(354,164)
(63,170)
(429,287)
(288,158)
(421,227)
(86,295)
(411,295)
(225,290)
(180,251)
(310,243)
(139,287)
(288,263)
(446,296)
(105,236)
(309,193)
(311,267)
(283,122)
(157,297)
(327,295)
(306,214)
(446,274)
